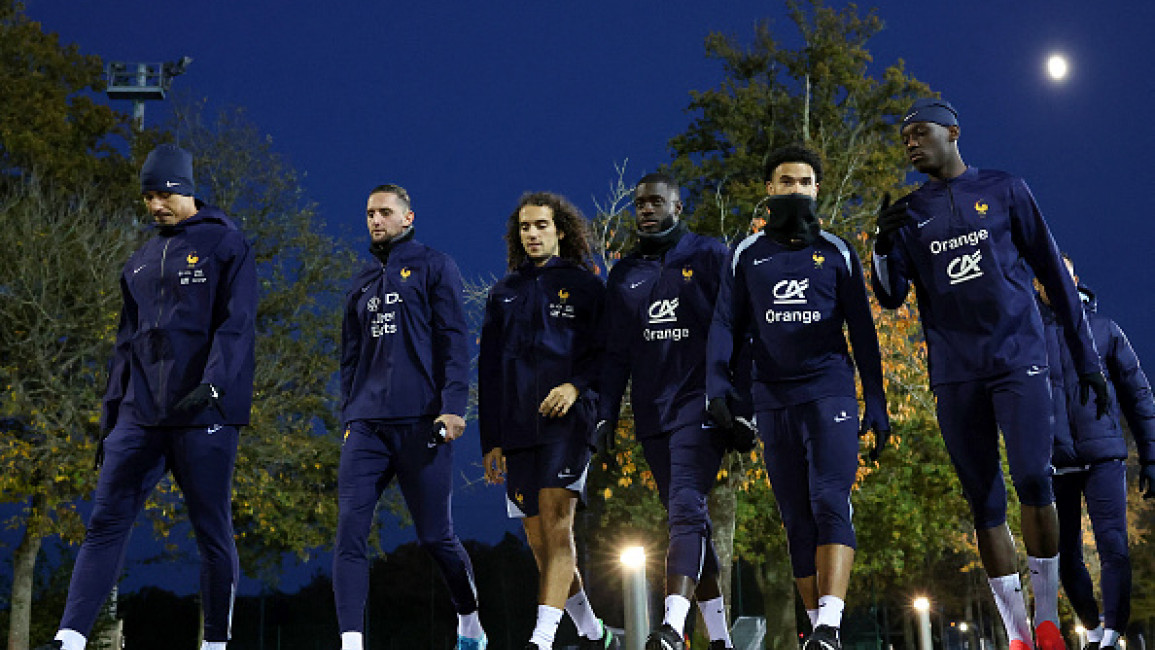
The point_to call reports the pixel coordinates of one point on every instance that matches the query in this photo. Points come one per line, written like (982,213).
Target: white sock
(546,628)
(584,619)
(71,639)
(812,614)
(676,609)
(213,645)
(1008,592)
(830,611)
(469,625)
(714,613)
(1045,585)
(1110,638)
(1095,635)
(352,641)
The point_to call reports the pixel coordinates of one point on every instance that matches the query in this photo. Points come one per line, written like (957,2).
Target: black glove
(744,435)
(198,399)
(605,438)
(891,219)
(1147,480)
(881,437)
(1094,380)
(719,411)
(437,434)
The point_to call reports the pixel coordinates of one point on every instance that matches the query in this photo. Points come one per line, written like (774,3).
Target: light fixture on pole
(637,597)
(141,82)
(922,606)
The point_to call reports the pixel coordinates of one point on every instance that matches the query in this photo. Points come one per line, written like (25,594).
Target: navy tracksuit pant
(373,453)
(201,460)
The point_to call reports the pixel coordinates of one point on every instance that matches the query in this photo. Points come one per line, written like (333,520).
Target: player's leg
(133,463)
(1023,410)
(202,460)
(699,453)
(1073,574)
(365,469)
(967,420)
(1106,493)
(425,475)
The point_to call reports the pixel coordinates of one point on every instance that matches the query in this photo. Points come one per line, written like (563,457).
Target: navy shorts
(972,413)
(561,464)
(811,452)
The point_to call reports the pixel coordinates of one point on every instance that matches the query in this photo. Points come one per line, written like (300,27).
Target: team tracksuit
(190,301)
(793,303)
(541,330)
(971,249)
(658,314)
(404,361)
(1090,462)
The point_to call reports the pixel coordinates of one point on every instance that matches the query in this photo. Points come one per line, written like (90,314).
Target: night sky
(468,106)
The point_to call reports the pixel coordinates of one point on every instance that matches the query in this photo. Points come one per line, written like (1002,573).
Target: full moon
(1057,67)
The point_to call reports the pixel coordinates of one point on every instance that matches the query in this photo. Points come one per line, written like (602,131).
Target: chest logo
(687,274)
(981,208)
(405,273)
(563,295)
(818,258)
(664,311)
(791,292)
(965,267)
(192,258)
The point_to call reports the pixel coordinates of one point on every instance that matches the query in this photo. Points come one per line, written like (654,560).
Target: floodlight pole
(142,82)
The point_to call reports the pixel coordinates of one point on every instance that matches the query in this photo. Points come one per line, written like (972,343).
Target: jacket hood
(1090,301)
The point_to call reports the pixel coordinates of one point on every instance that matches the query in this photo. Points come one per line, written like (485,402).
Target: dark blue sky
(470,104)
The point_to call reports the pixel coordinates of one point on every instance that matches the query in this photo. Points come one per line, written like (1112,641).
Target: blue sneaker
(468,643)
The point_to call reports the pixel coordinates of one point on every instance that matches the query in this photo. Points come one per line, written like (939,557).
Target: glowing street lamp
(637,598)
(922,606)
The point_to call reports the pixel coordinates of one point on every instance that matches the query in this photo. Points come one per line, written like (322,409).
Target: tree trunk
(23,572)
(776,582)
(723,512)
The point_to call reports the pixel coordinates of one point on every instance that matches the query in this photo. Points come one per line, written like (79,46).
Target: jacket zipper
(159,313)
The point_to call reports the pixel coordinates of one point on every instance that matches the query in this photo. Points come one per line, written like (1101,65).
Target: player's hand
(891,219)
(605,437)
(454,425)
(199,399)
(559,401)
(1094,381)
(744,435)
(494,465)
(719,411)
(881,437)
(1147,480)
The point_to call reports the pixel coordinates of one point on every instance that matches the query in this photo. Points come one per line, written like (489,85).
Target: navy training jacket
(404,339)
(1080,438)
(658,314)
(794,302)
(188,318)
(972,248)
(541,330)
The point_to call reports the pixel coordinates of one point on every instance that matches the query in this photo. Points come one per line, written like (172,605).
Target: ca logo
(965,267)
(791,292)
(664,311)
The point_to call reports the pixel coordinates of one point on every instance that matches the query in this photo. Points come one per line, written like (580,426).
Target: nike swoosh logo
(137,269)
(841,418)
(635,285)
(923,223)
(509,299)
(170,184)
(564,475)
(1032,371)
(764,259)
(909,116)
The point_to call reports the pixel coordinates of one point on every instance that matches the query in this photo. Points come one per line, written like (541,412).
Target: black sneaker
(51,645)
(824,637)
(719,644)
(607,641)
(666,638)
(1091,645)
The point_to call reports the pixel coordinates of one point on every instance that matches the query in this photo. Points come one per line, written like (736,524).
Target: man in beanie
(793,287)
(659,302)
(180,387)
(971,240)
(404,388)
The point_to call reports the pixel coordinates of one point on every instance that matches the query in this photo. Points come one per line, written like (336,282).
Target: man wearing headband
(962,239)
(180,385)
(793,286)
(659,302)
(404,386)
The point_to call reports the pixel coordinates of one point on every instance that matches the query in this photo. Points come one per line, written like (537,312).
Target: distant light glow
(963,627)
(922,604)
(634,557)
(1057,67)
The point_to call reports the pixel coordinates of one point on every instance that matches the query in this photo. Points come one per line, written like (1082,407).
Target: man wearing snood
(792,287)
(404,387)
(659,302)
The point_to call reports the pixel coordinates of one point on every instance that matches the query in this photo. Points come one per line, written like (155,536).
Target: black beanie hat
(168,168)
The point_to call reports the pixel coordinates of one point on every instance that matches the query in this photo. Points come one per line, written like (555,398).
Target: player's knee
(1034,489)
(1112,547)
